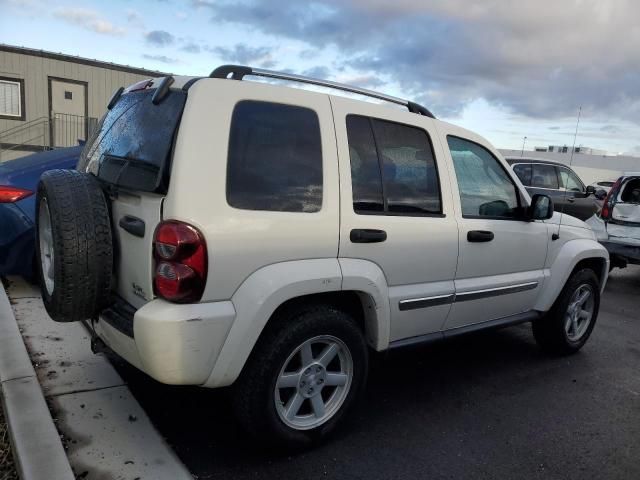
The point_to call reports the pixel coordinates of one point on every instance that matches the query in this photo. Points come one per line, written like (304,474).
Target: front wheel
(303,376)
(567,326)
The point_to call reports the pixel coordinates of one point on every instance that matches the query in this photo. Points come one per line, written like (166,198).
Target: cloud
(245,55)
(87,19)
(161,59)
(159,38)
(448,54)
(191,48)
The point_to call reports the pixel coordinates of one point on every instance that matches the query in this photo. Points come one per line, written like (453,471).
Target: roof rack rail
(238,72)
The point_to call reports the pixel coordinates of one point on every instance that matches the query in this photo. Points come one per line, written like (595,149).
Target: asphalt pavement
(486,406)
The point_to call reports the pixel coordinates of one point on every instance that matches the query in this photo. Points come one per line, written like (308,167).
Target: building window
(68,95)
(11,98)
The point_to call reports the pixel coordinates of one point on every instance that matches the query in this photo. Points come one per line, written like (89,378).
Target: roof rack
(238,72)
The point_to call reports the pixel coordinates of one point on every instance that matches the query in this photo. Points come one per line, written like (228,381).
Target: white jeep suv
(222,232)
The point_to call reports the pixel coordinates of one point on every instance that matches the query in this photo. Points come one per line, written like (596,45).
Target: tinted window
(570,181)
(524,173)
(485,187)
(365,169)
(544,176)
(132,144)
(275,158)
(392,168)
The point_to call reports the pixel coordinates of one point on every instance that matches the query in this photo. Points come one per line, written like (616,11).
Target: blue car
(18,183)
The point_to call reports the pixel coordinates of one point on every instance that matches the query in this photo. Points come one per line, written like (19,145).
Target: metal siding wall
(36,70)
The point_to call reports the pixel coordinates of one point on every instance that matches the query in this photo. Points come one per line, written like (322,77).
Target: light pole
(524,140)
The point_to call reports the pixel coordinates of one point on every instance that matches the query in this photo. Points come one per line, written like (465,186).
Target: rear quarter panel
(240,242)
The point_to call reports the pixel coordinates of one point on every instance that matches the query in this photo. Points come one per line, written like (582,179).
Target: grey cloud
(191,48)
(159,38)
(161,58)
(447,54)
(245,55)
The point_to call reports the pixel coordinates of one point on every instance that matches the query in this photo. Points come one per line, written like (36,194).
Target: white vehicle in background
(617,225)
(222,232)
(602,187)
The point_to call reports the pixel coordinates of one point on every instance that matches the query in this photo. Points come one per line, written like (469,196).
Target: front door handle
(479,236)
(367,235)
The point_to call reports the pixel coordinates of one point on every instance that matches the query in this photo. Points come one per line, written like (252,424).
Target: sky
(505,69)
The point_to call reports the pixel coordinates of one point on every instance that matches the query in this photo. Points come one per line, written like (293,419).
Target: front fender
(570,254)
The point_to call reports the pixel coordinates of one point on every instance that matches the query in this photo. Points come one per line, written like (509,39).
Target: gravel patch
(7,468)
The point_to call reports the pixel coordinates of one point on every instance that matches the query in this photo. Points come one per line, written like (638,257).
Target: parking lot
(489,405)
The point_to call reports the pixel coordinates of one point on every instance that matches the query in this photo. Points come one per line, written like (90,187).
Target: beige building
(50,100)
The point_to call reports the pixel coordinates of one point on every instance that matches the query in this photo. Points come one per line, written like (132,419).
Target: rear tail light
(610,200)
(181,262)
(13,194)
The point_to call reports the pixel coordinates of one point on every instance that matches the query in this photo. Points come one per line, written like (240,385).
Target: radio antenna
(573,149)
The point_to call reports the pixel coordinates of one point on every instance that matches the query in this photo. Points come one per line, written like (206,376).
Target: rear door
(130,153)
(396,210)
(501,263)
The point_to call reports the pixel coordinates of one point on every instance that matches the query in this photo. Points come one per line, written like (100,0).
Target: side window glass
(570,181)
(544,176)
(524,173)
(486,190)
(408,168)
(392,167)
(365,170)
(275,158)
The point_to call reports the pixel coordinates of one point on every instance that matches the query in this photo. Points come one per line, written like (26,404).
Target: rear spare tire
(74,247)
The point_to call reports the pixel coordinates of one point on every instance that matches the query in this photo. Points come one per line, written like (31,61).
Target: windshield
(132,145)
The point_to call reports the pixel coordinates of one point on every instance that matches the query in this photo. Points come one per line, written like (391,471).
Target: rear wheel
(303,376)
(74,251)
(569,323)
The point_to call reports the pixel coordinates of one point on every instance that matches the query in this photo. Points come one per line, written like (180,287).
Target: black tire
(253,392)
(550,332)
(82,245)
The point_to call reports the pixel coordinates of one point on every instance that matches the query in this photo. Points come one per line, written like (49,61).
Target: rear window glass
(393,170)
(132,145)
(544,176)
(275,158)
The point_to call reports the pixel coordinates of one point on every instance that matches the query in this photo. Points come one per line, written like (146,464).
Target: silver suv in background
(617,226)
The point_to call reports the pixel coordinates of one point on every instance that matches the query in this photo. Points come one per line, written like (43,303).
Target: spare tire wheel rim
(579,312)
(45,235)
(314,382)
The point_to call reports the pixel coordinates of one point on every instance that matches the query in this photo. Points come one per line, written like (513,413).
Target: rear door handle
(571,199)
(479,236)
(367,235)
(133,225)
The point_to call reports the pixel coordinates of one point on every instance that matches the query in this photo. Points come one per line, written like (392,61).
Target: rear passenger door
(396,210)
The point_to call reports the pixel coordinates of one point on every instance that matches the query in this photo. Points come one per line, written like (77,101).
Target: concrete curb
(37,448)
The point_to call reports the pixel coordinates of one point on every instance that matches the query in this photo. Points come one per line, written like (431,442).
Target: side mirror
(541,208)
(591,190)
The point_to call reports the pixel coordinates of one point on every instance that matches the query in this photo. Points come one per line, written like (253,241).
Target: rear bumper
(630,253)
(174,344)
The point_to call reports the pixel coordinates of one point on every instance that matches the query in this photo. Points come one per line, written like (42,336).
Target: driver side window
(569,181)
(486,190)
